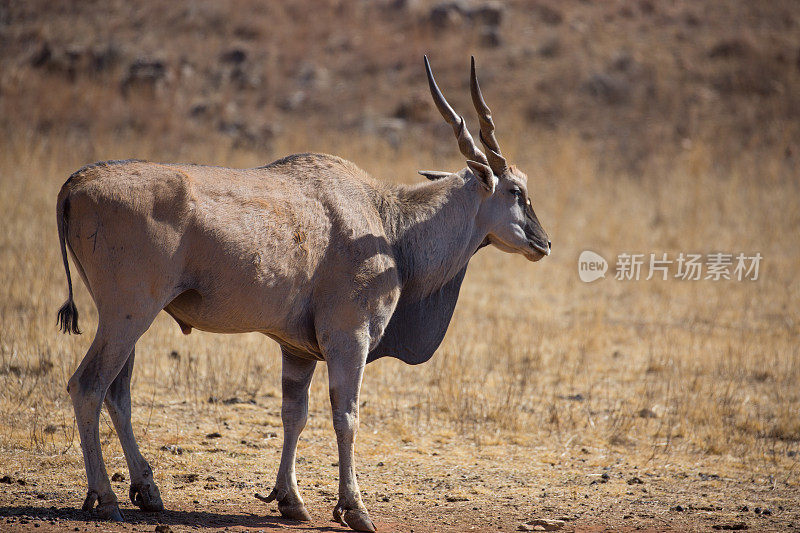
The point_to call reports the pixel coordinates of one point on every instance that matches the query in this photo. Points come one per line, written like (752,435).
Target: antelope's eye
(516,193)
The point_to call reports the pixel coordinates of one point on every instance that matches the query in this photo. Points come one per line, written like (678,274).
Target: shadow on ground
(172,518)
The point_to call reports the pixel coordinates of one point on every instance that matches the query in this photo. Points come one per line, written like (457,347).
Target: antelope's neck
(433,231)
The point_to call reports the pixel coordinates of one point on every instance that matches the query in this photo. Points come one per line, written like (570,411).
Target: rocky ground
(424,482)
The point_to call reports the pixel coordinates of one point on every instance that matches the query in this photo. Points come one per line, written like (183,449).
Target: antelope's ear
(434,174)
(484,174)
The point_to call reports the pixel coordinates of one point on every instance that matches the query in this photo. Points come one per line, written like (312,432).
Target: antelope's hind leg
(113,344)
(143,492)
(295,380)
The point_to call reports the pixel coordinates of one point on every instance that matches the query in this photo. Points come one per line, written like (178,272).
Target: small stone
(736,526)
(678,508)
(646,413)
(214,435)
(163,528)
(548,524)
(744,508)
(118,476)
(174,449)
(635,481)
(524,527)
(8,480)
(766,512)
(757,510)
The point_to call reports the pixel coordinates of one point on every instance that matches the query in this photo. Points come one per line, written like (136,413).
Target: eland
(308,250)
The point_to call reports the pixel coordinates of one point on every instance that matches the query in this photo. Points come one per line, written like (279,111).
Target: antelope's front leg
(344,374)
(296,378)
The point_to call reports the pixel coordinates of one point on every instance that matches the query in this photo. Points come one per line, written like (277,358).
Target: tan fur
(308,250)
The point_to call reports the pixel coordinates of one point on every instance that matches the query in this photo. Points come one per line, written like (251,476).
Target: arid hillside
(629,79)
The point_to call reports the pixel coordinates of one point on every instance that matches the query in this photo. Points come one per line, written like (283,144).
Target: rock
(611,89)
(547,524)
(678,508)
(646,413)
(144,73)
(105,57)
(163,528)
(448,14)
(214,435)
(549,15)
(490,37)
(312,76)
(293,101)
(234,56)
(623,62)
(174,449)
(8,480)
(635,481)
(729,48)
(550,47)
(455,12)
(736,526)
(41,55)
(490,14)
(414,109)
(118,476)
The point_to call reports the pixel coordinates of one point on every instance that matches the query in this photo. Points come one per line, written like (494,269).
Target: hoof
(105,511)
(146,497)
(109,511)
(88,503)
(355,519)
(294,512)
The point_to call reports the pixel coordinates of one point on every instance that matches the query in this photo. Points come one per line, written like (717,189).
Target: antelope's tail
(67,318)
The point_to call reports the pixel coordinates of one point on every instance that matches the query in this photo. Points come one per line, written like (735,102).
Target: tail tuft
(67,319)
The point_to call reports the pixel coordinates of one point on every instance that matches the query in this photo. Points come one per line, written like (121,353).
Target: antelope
(309,250)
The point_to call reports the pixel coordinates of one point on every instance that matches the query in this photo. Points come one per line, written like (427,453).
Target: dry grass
(715,362)
(670,375)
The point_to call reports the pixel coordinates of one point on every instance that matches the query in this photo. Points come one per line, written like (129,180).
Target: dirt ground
(426,482)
